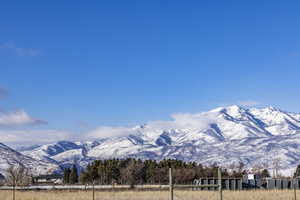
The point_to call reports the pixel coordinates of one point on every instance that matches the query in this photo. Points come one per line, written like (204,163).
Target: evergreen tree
(297,173)
(265,173)
(73,175)
(84,177)
(66,177)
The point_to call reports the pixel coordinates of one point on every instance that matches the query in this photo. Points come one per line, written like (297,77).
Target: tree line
(135,171)
(132,171)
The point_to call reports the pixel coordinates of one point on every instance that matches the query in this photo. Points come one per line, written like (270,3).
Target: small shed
(48,179)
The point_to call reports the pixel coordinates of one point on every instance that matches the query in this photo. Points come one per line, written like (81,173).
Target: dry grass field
(149,195)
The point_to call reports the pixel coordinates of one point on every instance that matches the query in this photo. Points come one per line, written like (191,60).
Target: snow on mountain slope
(9,157)
(278,122)
(47,151)
(62,153)
(223,135)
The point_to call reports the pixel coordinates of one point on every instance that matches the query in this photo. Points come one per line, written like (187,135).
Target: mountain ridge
(224,135)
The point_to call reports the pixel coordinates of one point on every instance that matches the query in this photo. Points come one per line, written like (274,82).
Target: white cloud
(185,120)
(20,51)
(18,118)
(249,103)
(178,121)
(31,137)
(108,131)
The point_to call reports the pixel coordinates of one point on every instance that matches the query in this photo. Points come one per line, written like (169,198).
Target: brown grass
(150,195)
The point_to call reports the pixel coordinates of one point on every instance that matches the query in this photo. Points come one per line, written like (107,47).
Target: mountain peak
(272,108)
(235,111)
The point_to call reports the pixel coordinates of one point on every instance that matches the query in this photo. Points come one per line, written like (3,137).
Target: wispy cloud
(20,51)
(178,121)
(3,93)
(108,131)
(32,137)
(18,118)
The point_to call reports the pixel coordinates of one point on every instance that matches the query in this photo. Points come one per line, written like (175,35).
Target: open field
(150,195)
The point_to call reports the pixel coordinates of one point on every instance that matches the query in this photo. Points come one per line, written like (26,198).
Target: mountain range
(258,137)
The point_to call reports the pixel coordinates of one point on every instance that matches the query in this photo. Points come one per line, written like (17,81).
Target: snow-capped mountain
(10,157)
(224,135)
(62,153)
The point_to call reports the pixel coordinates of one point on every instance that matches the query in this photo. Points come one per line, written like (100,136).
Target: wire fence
(166,192)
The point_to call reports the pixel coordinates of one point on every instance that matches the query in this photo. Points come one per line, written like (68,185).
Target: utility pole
(170,184)
(220,183)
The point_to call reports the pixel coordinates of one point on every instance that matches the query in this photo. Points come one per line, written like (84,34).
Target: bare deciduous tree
(17,176)
(276,166)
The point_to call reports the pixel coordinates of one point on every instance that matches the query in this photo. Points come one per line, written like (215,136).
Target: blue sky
(85,64)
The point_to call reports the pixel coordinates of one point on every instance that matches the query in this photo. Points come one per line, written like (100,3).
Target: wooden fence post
(14,192)
(14,187)
(294,187)
(170,184)
(93,189)
(220,183)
